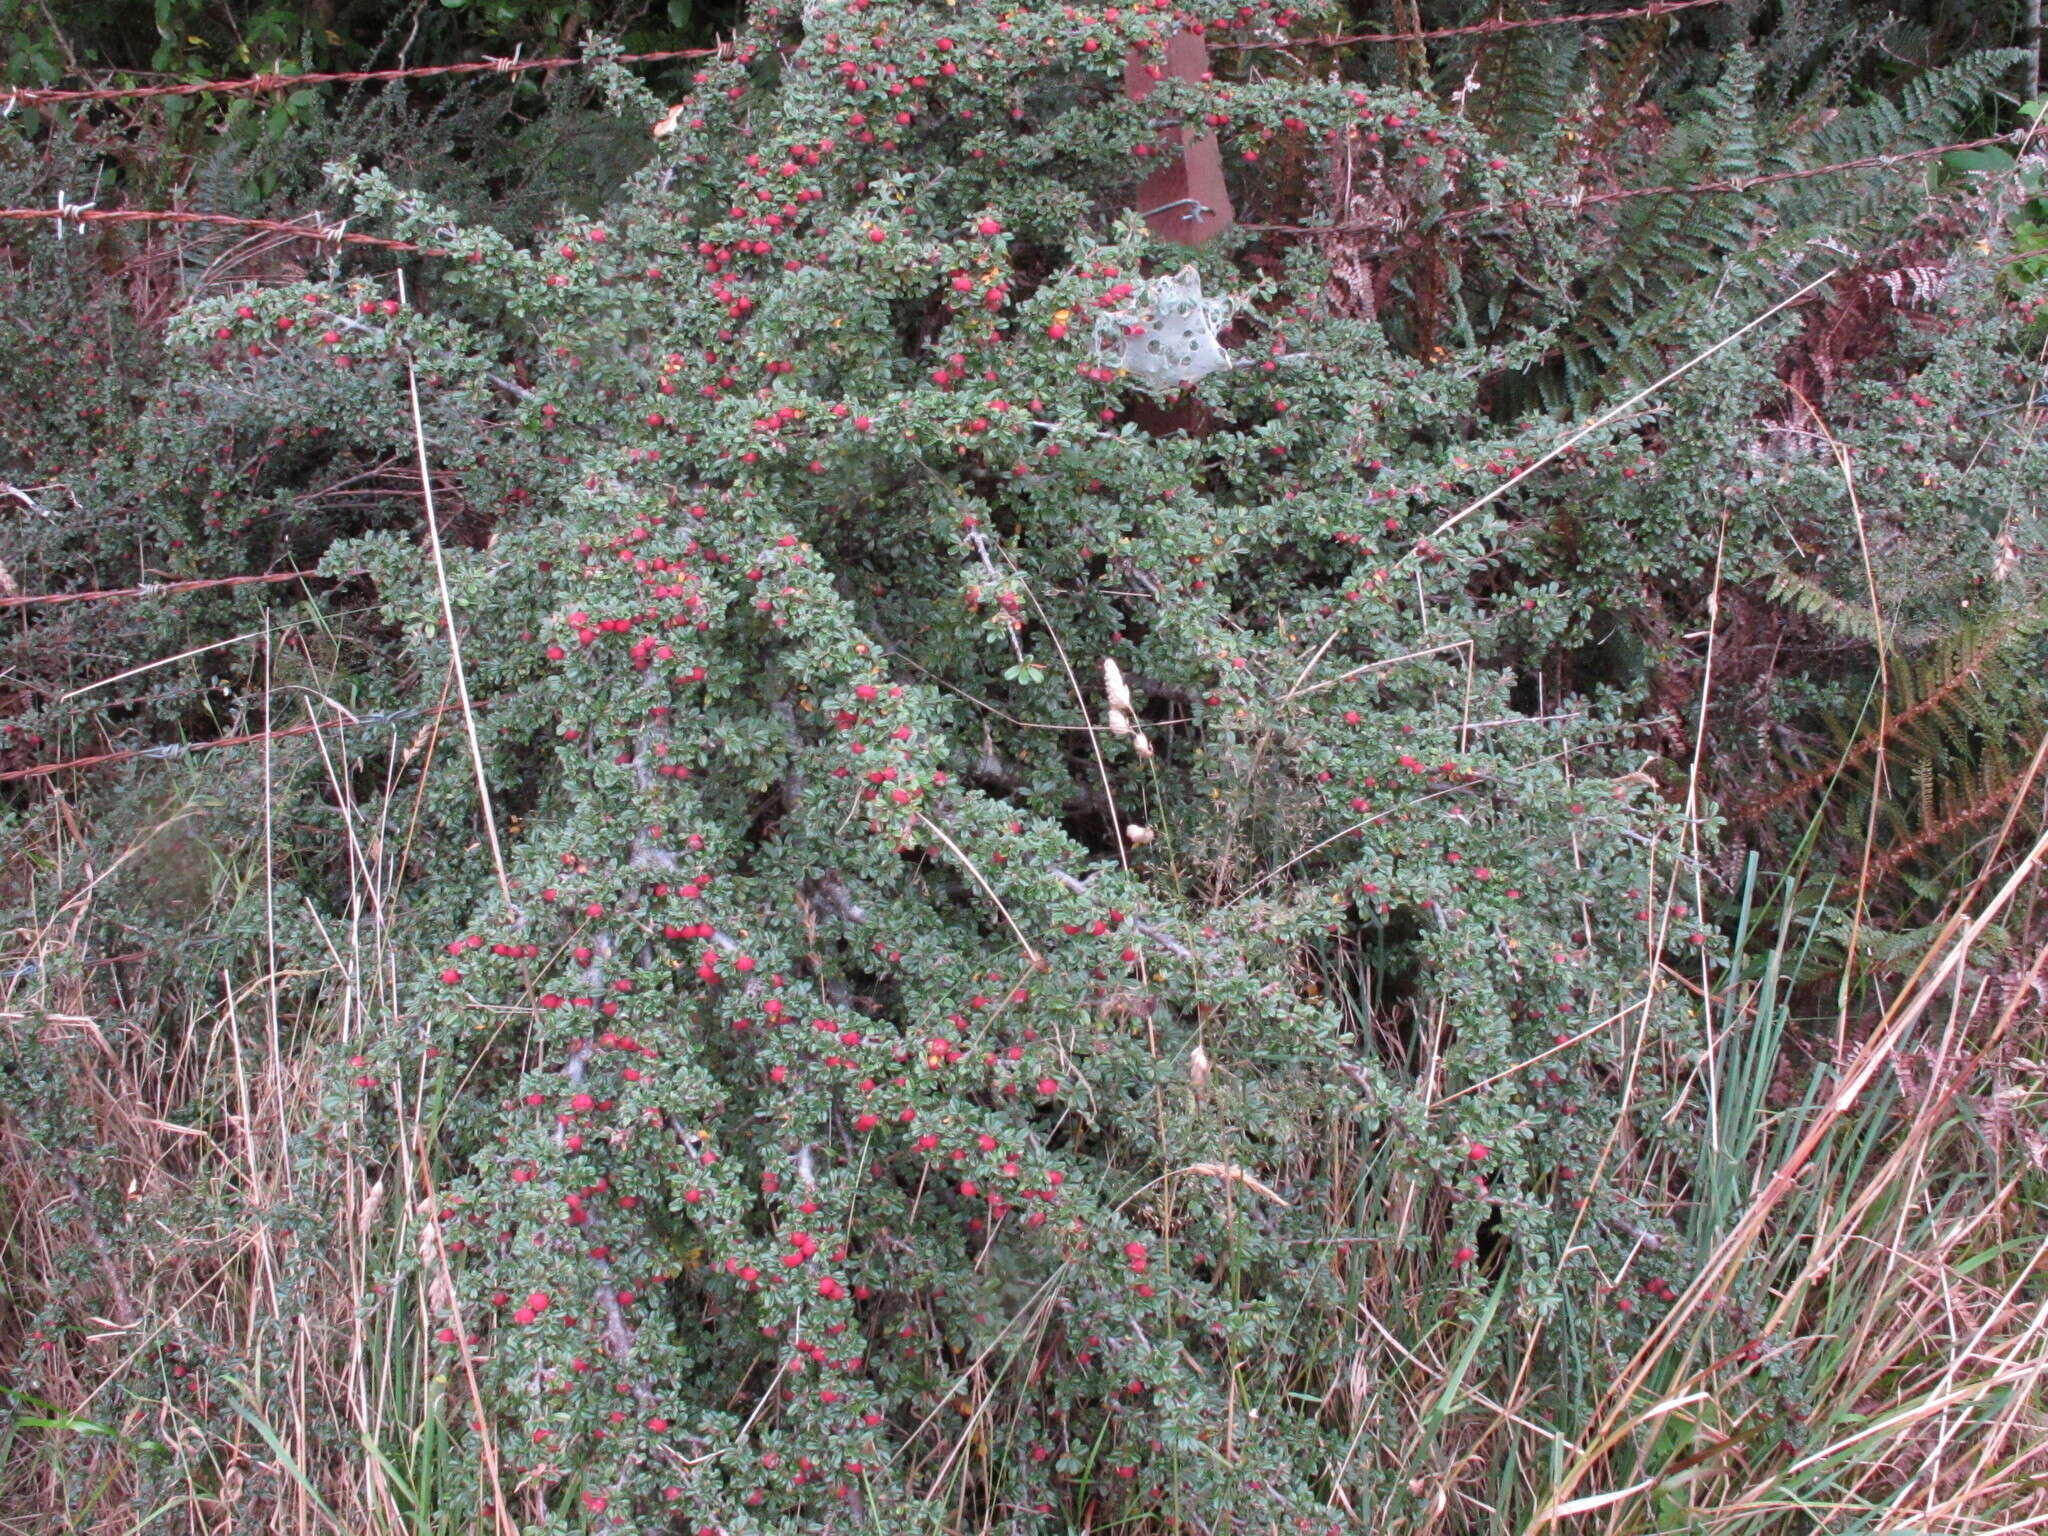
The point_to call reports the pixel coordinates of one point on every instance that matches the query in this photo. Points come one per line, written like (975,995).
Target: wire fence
(313,227)
(151,589)
(256,85)
(177,751)
(1483,28)
(307,226)
(1773,178)
(336,233)
(251,85)
(1583,199)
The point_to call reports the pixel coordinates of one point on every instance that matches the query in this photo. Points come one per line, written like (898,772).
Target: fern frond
(1529,82)
(1970,690)
(1809,598)
(1971,801)
(1934,109)
(1669,252)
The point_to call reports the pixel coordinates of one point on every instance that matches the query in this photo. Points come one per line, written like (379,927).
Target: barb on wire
(66,209)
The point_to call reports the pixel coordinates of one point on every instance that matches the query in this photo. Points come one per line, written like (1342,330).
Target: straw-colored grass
(224,1309)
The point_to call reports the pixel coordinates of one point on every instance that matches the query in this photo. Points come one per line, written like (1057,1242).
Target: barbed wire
(335,234)
(176,751)
(1681,189)
(327,234)
(34,96)
(152,589)
(1478,28)
(1772,178)
(338,234)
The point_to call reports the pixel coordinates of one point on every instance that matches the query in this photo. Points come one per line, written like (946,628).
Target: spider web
(1167,337)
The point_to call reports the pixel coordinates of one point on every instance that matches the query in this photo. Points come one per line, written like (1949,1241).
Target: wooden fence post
(1185,202)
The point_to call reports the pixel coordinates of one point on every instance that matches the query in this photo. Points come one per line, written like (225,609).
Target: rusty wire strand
(33,96)
(1772,178)
(1683,189)
(1480,28)
(325,233)
(177,751)
(152,589)
(1583,200)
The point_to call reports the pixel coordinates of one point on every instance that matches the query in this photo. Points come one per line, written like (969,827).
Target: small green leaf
(1989,161)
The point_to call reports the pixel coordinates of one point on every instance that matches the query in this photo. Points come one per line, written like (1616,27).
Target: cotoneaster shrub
(892,1088)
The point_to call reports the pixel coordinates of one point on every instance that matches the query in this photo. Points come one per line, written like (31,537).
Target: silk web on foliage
(1166,336)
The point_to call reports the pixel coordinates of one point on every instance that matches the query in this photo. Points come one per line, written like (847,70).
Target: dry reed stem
(1615,413)
(476,752)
